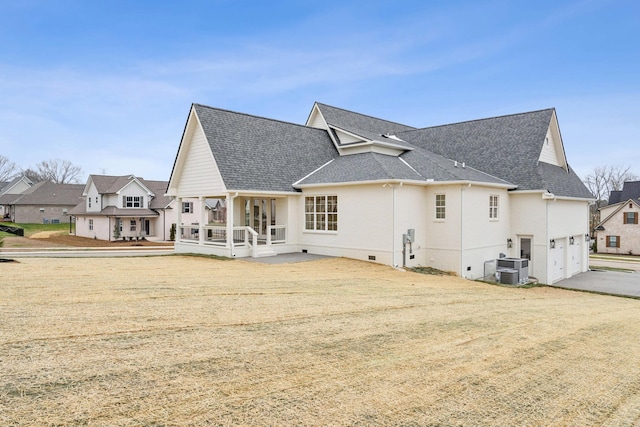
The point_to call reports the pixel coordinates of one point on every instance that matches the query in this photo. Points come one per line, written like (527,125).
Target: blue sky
(108,84)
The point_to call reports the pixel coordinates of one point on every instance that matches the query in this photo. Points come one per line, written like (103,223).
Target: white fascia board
(405,181)
(179,160)
(260,193)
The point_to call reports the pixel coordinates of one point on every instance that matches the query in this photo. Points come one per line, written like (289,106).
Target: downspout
(462,230)
(393,226)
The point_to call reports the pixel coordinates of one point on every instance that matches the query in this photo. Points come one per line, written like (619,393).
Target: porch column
(201,220)
(178,219)
(229,202)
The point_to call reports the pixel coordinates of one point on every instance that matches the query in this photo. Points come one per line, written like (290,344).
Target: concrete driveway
(610,282)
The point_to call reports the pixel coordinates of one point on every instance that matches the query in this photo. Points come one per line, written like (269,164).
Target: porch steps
(265,252)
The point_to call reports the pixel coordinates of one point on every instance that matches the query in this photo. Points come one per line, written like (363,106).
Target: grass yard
(194,341)
(31,229)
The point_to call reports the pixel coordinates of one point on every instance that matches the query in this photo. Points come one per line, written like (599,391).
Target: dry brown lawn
(194,341)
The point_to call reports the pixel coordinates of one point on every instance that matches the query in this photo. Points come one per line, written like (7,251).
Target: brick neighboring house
(44,202)
(619,231)
(10,191)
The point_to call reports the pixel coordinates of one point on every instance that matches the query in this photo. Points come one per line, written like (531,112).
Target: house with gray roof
(454,197)
(9,192)
(45,202)
(619,230)
(128,207)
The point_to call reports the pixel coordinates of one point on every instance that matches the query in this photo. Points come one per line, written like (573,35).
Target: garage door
(557,260)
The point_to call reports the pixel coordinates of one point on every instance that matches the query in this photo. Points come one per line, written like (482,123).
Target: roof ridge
(256,116)
(485,118)
(367,115)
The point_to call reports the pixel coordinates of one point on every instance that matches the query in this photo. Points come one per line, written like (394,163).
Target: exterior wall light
(571,240)
(586,237)
(509,243)
(552,244)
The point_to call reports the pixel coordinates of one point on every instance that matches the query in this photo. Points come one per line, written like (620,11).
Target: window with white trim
(493,206)
(132,201)
(187,207)
(132,225)
(90,224)
(441,205)
(321,213)
(613,241)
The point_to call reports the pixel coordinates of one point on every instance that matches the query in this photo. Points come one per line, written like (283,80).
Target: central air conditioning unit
(507,276)
(520,265)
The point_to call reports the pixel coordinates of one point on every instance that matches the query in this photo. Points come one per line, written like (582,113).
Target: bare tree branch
(8,169)
(601,182)
(55,170)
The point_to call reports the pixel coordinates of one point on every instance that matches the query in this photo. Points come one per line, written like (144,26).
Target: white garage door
(557,260)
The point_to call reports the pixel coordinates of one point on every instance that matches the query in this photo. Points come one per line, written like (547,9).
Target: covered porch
(240,225)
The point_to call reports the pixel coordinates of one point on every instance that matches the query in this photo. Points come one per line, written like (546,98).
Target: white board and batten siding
(199,173)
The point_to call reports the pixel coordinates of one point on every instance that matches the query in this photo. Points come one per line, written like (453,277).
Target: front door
(147,227)
(525,252)
(259,214)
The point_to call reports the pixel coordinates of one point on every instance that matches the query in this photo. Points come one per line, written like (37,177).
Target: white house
(451,197)
(123,207)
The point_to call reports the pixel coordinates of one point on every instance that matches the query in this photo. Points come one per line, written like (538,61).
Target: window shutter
(635,217)
(190,207)
(624,218)
(618,242)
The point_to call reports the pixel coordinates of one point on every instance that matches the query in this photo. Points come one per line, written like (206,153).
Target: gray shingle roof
(260,154)
(630,190)
(413,165)
(48,193)
(361,167)
(255,153)
(507,147)
(352,121)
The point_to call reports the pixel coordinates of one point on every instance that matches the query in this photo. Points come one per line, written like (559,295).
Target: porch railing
(216,235)
(189,233)
(276,234)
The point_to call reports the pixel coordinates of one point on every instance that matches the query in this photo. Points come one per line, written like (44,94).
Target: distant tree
(601,182)
(55,170)
(8,169)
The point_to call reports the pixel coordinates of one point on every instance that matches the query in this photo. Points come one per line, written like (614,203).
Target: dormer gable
(552,151)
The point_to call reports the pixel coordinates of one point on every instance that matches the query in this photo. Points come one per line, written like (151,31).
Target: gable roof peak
(253,116)
(505,116)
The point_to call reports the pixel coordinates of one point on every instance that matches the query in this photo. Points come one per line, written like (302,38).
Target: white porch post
(229,202)
(201,221)
(178,219)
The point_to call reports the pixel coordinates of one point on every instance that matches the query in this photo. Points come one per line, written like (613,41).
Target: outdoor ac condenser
(519,264)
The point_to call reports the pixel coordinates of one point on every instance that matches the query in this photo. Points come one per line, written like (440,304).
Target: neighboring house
(44,202)
(124,207)
(8,193)
(451,197)
(619,231)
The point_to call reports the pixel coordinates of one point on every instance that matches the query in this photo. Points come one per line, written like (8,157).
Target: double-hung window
(321,213)
(630,218)
(90,224)
(187,207)
(613,241)
(441,204)
(493,206)
(132,201)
